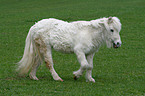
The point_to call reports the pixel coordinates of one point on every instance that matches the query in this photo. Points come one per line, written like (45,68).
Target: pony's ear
(110,20)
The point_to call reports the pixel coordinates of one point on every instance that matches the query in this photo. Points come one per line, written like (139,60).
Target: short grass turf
(118,72)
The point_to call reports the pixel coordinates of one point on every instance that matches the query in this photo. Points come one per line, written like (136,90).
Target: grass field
(118,72)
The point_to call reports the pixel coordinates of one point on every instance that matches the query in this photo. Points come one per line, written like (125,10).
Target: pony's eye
(111,30)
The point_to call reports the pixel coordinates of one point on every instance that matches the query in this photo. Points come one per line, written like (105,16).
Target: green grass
(118,72)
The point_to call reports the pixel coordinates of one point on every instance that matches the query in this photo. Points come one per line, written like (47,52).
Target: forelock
(116,23)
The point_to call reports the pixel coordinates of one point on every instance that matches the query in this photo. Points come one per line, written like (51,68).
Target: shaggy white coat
(81,37)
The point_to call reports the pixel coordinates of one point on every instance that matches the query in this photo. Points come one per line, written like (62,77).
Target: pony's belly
(62,47)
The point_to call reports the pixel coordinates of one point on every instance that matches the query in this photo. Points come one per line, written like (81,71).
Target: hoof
(33,77)
(91,80)
(61,80)
(75,78)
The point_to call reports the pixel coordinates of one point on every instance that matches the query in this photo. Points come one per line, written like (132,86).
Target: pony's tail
(27,61)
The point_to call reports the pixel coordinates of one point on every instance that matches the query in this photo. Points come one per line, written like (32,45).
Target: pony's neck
(99,37)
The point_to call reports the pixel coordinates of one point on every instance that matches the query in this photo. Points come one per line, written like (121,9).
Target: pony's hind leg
(35,66)
(46,49)
(49,65)
(38,60)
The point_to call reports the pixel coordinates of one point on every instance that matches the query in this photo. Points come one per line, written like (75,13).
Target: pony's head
(112,29)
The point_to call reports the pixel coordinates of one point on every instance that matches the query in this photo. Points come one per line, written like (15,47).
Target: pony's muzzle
(116,45)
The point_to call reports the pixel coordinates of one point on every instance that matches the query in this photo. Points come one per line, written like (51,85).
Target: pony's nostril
(118,43)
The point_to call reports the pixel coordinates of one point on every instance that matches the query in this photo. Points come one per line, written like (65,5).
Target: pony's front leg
(89,70)
(84,64)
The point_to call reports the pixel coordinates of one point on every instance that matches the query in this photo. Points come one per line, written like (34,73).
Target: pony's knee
(87,66)
(48,65)
(90,67)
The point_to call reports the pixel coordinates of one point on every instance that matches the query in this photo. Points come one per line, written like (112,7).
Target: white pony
(81,37)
